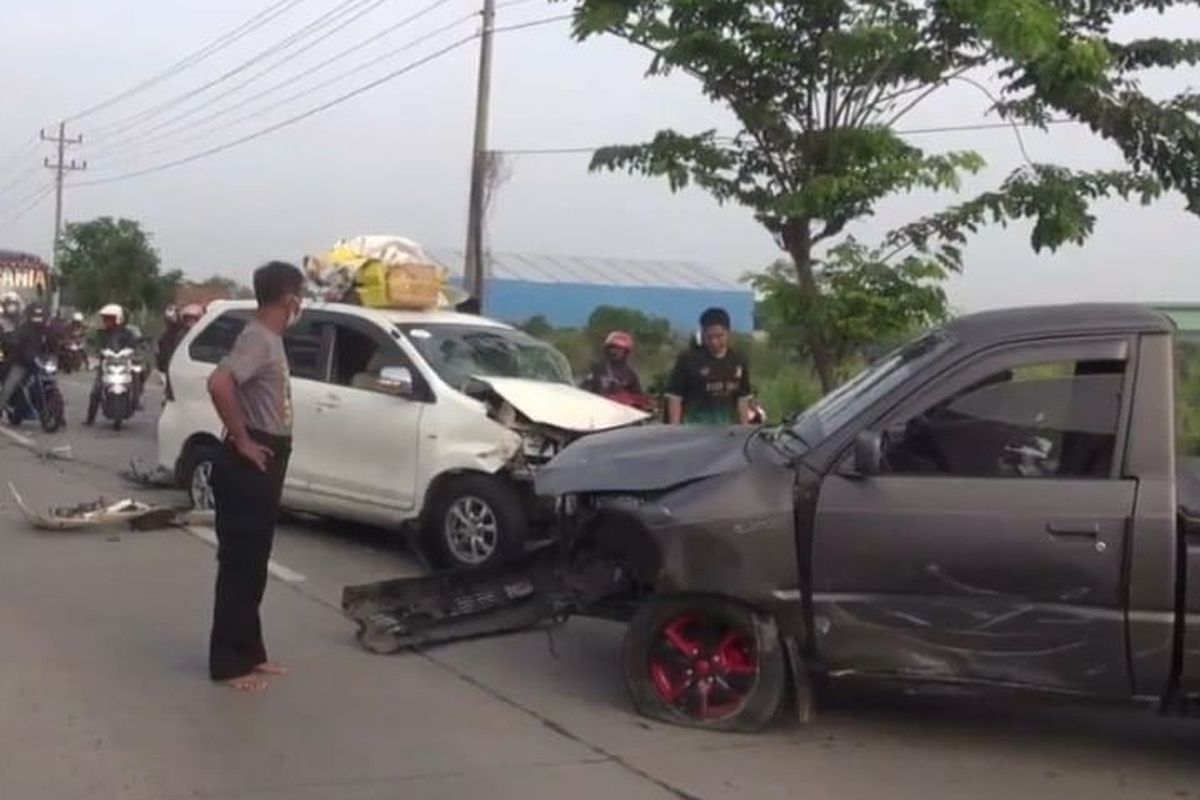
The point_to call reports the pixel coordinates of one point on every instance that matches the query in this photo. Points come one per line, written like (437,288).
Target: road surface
(103,691)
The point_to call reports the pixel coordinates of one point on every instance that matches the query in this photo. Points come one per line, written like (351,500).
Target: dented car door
(987,544)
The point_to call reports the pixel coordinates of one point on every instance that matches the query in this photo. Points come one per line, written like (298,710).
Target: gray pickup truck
(1009,502)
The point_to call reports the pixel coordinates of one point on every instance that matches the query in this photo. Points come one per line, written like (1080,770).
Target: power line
(520,26)
(19,153)
(289,81)
(127,123)
(287,122)
(981,126)
(265,16)
(260,112)
(213,100)
(41,195)
(33,169)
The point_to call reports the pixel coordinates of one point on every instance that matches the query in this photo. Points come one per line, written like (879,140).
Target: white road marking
(285,574)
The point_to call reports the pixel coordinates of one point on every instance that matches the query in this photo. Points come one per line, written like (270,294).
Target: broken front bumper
(544,588)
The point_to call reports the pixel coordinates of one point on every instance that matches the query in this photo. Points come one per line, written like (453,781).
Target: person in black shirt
(613,375)
(710,384)
(26,344)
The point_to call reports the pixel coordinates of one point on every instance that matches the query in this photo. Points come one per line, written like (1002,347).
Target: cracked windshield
(680,399)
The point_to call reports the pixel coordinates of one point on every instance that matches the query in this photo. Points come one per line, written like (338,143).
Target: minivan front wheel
(476,521)
(195,475)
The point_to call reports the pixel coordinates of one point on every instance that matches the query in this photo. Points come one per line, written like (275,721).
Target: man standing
(710,384)
(252,395)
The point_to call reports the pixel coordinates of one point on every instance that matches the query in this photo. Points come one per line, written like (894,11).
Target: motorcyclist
(27,344)
(613,375)
(10,316)
(183,322)
(114,336)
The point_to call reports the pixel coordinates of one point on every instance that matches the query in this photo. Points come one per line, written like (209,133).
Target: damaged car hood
(643,459)
(563,406)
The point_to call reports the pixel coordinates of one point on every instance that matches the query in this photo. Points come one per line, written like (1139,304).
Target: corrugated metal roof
(544,268)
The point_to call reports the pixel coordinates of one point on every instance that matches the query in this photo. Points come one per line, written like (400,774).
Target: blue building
(566,289)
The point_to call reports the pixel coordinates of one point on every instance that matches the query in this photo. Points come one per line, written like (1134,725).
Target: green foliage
(1187,394)
(538,326)
(112,261)
(818,87)
(862,301)
(650,333)
(228,287)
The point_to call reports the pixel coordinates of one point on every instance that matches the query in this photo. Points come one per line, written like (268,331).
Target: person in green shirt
(710,384)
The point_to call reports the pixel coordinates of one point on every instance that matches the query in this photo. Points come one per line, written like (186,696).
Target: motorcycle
(73,355)
(118,386)
(38,397)
(641,402)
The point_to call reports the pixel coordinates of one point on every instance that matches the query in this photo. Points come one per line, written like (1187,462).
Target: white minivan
(433,419)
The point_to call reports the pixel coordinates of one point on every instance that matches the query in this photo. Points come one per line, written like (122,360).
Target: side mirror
(868,453)
(396,381)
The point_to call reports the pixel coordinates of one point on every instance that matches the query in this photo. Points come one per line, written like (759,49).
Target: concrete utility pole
(60,167)
(473,267)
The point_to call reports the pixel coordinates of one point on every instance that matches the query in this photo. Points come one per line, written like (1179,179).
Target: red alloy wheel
(702,666)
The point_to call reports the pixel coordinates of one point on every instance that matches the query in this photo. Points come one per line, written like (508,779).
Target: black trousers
(247,500)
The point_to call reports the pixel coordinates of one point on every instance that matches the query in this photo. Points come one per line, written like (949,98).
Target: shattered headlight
(538,448)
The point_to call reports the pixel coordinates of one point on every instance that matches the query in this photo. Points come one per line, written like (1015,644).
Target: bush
(788,390)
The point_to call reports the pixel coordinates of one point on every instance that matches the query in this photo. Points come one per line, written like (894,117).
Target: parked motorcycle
(38,397)
(118,386)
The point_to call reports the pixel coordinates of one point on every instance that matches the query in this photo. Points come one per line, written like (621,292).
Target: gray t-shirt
(259,367)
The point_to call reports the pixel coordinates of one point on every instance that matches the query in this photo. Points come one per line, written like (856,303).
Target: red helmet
(619,339)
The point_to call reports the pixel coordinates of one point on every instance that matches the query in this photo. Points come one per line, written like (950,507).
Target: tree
(650,333)
(861,303)
(818,87)
(537,326)
(112,261)
(226,287)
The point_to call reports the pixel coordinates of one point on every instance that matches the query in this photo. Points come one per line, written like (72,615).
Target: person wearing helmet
(613,374)
(10,313)
(184,320)
(28,343)
(113,335)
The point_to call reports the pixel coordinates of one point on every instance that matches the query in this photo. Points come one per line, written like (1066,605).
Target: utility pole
(473,267)
(60,167)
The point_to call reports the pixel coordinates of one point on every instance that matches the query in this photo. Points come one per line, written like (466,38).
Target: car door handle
(330,403)
(1075,530)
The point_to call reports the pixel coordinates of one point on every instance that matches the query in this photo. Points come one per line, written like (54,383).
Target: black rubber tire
(501,497)
(193,456)
(53,412)
(762,702)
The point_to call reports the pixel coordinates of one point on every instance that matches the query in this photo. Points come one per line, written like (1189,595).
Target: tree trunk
(797,238)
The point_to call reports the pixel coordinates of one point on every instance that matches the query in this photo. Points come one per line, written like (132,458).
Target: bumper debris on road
(102,513)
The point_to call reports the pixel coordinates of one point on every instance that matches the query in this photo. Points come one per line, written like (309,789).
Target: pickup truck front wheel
(477,521)
(706,663)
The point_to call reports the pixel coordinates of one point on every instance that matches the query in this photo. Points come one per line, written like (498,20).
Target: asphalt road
(103,691)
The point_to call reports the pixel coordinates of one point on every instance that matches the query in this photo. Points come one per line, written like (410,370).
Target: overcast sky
(396,159)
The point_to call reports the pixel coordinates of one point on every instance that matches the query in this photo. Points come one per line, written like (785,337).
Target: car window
(1036,421)
(302,343)
(214,342)
(359,357)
